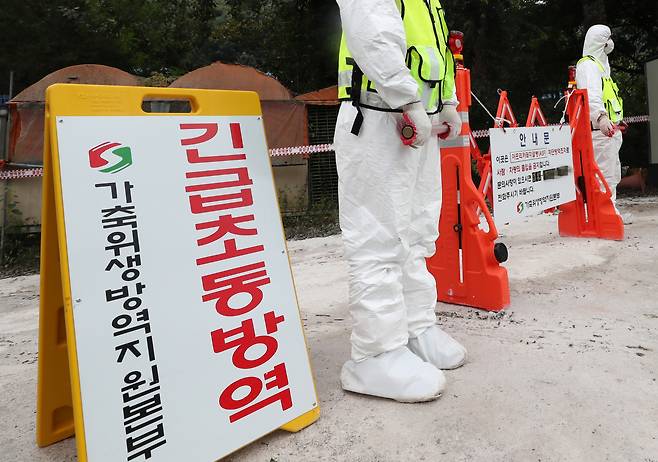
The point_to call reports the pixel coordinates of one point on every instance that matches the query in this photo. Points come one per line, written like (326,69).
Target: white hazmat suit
(390,200)
(606,138)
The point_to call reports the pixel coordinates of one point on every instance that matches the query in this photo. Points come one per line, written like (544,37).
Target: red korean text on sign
(221,193)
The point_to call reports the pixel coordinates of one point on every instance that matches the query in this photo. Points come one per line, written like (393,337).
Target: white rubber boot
(438,348)
(399,375)
(627,218)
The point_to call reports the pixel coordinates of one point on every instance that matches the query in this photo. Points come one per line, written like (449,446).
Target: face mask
(609,46)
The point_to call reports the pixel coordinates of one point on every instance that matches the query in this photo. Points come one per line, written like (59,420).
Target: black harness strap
(355,95)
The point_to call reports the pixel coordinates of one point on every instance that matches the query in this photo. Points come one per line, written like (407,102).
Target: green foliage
(319,220)
(291,40)
(20,253)
(524,46)
(14,216)
(142,37)
(158,79)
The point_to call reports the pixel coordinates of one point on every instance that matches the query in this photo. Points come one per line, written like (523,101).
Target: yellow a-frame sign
(196,364)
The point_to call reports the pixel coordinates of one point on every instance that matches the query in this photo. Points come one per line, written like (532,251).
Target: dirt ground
(567,373)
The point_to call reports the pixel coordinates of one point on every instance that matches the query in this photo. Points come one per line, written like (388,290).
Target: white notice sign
(532,171)
(187,328)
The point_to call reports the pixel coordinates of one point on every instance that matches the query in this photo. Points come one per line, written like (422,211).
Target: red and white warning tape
(291,151)
(636,119)
(276,152)
(628,120)
(21,173)
(480,133)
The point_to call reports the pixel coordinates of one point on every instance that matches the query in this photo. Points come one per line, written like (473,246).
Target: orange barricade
(592,214)
(536,117)
(466,265)
(504,115)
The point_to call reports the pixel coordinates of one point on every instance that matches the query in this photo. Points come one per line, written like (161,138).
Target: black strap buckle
(355,95)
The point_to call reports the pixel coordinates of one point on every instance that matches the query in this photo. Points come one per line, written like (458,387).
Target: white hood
(595,41)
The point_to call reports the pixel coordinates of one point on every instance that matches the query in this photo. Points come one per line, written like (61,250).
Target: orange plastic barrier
(592,214)
(504,115)
(536,117)
(466,265)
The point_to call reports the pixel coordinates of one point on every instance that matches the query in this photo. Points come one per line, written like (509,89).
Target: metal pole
(5,193)
(11,84)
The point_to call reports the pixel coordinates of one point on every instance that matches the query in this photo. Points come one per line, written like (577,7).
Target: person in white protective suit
(394,63)
(605,105)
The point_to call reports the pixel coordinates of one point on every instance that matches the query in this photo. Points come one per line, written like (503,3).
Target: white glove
(438,127)
(450,117)
(606,126)
(421,121)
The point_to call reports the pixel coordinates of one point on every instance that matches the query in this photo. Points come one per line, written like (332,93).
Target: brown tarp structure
(27,108)
(322,108)
(220,76)
(284,117)
(325,97)
(92,74)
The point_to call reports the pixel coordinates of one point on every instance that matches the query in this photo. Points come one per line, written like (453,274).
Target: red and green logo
(110,157)
(520,207)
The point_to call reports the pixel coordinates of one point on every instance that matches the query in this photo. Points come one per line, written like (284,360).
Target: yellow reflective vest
(428,58)
(613,103)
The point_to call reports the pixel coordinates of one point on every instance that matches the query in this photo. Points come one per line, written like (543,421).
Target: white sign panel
(187,327)
(532,171)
